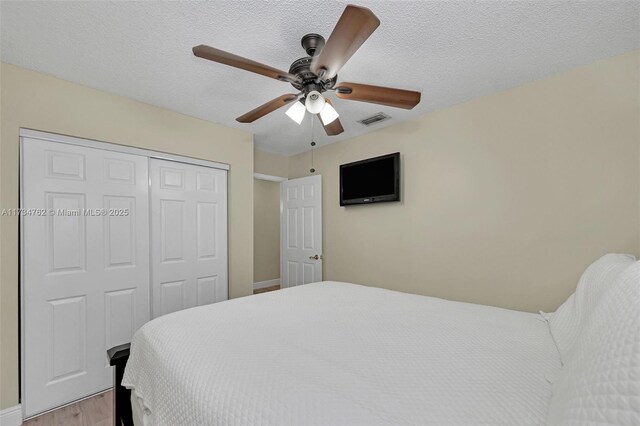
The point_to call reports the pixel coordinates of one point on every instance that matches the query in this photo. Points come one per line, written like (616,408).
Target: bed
(339,353)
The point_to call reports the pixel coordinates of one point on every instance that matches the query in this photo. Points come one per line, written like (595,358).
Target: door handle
(316,257)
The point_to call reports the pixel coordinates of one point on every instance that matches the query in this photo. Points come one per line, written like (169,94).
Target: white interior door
(301,231)
(189,236)
(85,272)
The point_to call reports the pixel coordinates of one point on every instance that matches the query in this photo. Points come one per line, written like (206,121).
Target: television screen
(374,180)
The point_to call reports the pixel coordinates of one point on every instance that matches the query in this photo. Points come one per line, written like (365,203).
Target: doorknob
(316,257)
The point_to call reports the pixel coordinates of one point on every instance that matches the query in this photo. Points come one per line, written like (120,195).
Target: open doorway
(266,233)
(287,232)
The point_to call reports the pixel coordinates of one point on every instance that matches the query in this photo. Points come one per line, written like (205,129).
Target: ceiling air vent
(375,118)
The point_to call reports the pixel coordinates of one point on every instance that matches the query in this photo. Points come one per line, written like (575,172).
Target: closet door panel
(189,236)
(85,266)
(125,246)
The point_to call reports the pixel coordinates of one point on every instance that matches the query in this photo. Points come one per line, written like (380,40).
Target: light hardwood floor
(266,289)
(94,411)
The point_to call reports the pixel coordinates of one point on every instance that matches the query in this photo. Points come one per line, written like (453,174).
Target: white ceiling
(451,51)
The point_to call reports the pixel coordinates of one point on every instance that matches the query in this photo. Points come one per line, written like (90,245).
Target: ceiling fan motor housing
(307,80)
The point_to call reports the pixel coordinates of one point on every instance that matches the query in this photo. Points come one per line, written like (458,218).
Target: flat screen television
(374,180)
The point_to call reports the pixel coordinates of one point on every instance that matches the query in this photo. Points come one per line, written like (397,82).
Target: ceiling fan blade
(222,57)
(398,98)
(353,28)
(333,128)
(265,109)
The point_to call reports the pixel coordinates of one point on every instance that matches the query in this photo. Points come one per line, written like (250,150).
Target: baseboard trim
(11,416)
(264,284)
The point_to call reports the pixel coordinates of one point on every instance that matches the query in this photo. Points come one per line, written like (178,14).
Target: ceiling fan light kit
(314,102)
(318,73)
(328,114)
(296,112)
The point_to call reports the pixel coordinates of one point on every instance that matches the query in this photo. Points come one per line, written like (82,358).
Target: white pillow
(600,382)
(566,322)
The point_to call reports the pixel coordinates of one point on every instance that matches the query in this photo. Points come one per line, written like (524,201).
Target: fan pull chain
(313,144)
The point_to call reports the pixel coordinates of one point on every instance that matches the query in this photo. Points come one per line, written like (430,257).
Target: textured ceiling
(451,51)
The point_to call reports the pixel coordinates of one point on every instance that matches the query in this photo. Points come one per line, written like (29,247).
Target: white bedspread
(336,353)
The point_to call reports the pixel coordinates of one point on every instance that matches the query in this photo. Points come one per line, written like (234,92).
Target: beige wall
(37,101)
(270,164)
(506,199)
(266,230)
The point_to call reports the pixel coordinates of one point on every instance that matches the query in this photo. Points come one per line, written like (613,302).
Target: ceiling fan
(318,73)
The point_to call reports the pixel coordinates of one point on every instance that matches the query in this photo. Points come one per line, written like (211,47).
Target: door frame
(88,143)
(271,178)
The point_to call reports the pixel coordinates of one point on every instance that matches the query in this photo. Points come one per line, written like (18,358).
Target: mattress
(338,353)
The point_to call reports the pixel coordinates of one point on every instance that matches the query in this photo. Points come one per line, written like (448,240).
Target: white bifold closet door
(85,266)
(188,236)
